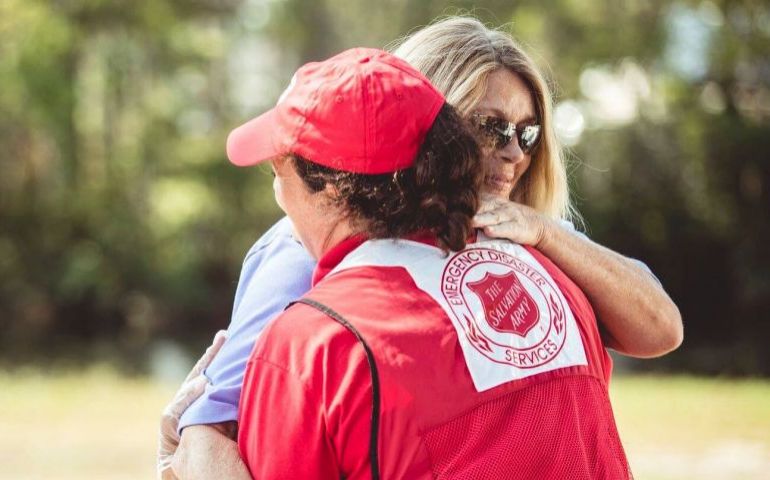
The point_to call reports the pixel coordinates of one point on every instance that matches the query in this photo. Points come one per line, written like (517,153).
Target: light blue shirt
(277,270)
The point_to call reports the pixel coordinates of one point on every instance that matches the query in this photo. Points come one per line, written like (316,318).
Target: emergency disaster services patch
(512,321)
(510,312)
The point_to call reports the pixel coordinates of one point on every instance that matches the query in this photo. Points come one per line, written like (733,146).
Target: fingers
(508,212)
(522,229)
(484,219)
(500,231)
(504,219)
(489,203)
(167,473)
(499,205)
(169,422)
(192,388)
(186,395)
(208,355)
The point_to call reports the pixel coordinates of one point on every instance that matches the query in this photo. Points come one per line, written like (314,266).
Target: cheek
(525,165)
(487,160)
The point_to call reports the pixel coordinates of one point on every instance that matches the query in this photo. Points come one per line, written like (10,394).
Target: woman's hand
(510,220)
(192,388)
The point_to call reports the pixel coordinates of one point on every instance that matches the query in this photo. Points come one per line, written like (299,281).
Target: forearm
(637,316)
(206,452)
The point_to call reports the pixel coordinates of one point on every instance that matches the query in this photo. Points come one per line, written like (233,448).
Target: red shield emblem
(508,307)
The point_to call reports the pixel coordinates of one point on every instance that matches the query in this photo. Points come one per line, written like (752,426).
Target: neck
(339,231)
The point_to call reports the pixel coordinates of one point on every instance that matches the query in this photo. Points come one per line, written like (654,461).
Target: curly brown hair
(438,194)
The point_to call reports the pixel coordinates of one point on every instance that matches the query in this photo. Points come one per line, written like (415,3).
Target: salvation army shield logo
(510,310)
(508,307)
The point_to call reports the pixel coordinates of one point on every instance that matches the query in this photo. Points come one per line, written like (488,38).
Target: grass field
(98,425)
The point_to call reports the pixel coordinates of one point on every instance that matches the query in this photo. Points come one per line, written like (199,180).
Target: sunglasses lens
(496,130)
(502,140)
(501,132)
(528,137)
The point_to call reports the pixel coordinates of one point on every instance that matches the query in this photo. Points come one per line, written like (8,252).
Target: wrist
(545,233)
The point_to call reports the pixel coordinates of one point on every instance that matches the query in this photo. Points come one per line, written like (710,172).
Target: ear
(282,165)
(331,191)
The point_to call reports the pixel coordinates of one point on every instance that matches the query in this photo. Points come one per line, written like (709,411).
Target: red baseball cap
(362,111)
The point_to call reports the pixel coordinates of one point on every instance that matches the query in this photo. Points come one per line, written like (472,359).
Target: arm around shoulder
(637,317)
(635,314)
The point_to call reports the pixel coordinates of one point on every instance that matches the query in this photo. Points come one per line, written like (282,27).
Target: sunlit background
(123,228)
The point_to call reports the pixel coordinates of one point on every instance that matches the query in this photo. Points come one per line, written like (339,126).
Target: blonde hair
(457,54)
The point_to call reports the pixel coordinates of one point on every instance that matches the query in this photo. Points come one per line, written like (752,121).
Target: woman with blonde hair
(494,84)
(490,79)
(458,55)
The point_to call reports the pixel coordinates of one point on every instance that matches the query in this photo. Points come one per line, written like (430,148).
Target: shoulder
(308,344)
(278,246)
(280,234)
(276,270)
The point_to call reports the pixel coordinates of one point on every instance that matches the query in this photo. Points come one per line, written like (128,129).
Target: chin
(501,192)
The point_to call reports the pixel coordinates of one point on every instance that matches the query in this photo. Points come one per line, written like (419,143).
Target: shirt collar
(335,255)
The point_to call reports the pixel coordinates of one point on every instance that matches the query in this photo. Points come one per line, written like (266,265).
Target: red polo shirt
(305,410)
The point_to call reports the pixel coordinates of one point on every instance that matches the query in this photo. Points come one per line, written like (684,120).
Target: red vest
(490,366)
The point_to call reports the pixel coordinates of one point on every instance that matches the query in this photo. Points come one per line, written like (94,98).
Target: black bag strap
(374,433)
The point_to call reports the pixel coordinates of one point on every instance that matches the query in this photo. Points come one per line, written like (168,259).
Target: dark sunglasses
(500,132)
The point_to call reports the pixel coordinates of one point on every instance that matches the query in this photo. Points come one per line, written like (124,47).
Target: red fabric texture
(306,401)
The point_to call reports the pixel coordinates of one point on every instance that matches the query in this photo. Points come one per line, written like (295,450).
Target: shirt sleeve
(306,401)
(276,271)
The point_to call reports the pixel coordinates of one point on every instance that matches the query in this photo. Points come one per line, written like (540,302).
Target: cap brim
(255,141)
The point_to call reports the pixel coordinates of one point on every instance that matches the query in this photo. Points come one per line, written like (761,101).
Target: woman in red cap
(489,78)
(403,360)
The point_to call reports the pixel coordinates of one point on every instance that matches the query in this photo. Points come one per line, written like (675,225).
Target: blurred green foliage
(121,221)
